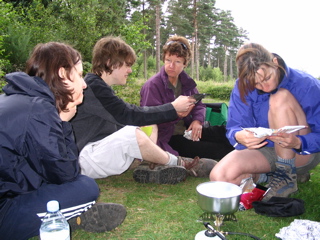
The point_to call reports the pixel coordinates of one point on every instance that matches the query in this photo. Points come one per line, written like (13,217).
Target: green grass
(171,211)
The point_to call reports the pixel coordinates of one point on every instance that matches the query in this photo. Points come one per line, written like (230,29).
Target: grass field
(171,211)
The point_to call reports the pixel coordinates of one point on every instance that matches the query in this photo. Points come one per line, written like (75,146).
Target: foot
(283,182)
(198,167)
(101,217)
(160,174)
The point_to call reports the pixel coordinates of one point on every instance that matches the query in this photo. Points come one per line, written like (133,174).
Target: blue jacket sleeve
(239,116)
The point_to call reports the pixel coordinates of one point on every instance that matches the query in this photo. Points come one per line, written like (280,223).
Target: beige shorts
(271,156)
(111,155)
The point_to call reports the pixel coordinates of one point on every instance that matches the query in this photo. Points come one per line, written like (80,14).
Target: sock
(263,178)
(290,162)
(173,160)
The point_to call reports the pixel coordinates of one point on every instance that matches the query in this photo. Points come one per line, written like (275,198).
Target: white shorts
(111,155)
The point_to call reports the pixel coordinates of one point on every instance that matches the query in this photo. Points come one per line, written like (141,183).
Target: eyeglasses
(182,44)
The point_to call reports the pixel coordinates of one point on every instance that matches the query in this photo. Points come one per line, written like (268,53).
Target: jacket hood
(22,83)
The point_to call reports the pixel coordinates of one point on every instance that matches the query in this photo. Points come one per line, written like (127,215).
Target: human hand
(286,140)
(182,104)
(248,139)
(184,114)
(196,128)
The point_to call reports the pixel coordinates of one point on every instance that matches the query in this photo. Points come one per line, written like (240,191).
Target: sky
(289,28)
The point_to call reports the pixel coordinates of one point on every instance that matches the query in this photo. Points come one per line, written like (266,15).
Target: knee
(280,100)
(89,186)
(225,173)
(142,138)
(218,173)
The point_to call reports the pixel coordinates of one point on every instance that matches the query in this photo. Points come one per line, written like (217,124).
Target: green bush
(130,92)
(217,90)
(2,84)
(151,63)
(209,73)
(86,67)
(220,92)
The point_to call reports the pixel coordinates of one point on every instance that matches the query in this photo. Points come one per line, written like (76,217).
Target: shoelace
(278,176)
(190,165)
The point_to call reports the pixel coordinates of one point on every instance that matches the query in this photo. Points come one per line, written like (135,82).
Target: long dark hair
(46,60)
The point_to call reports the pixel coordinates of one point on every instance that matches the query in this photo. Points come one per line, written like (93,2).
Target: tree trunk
(145,67)
(225,65)
(196,48)
(158,12)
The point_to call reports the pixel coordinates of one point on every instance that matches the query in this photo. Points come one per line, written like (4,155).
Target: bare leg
(240,164)
(285,111)
(149,150)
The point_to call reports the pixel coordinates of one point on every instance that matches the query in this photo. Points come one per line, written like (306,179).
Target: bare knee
(142,138)
(225,173)
(284,109)
(281,99)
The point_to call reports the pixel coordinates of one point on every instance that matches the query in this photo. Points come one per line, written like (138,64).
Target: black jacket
(36,146)
(103,113)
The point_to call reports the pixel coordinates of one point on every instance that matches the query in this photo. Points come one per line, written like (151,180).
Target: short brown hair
(109,53)
(46,60)
(179,46)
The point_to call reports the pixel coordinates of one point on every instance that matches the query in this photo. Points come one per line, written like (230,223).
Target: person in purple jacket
(269,94)
(168,84)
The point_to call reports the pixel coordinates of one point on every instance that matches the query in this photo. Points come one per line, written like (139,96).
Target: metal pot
(219,197)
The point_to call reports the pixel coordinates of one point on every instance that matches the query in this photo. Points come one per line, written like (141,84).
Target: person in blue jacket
(269,94)
(38,154)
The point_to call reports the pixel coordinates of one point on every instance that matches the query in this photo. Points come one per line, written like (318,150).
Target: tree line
(143,24)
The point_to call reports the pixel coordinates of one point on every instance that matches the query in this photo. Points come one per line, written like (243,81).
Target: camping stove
(219,201)
(210,233)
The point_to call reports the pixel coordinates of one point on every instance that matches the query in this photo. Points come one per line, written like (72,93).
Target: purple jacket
(156,91)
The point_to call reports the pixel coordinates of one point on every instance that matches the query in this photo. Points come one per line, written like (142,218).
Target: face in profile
(120,75)
(77,83)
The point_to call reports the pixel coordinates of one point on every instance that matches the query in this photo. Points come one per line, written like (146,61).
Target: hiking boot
(160,174)
(197,167)
(304,177)
(101,217)
(283,182)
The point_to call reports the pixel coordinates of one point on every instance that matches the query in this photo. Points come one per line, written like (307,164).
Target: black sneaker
(160,174)
(101,217)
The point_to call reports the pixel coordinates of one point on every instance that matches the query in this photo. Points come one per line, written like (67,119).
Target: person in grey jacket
(106,127)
